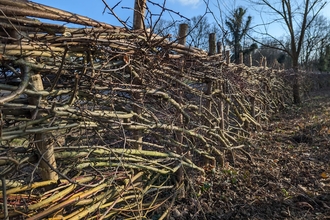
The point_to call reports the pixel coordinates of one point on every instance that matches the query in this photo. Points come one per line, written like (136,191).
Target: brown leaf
(324,175)
(126,59)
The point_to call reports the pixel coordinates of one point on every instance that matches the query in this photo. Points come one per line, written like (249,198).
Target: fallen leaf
(324,175)
(126,59)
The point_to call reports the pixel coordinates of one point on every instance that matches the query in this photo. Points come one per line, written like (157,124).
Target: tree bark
(296,88)
(295,83)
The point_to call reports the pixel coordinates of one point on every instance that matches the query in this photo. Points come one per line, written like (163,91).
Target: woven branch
(108,91)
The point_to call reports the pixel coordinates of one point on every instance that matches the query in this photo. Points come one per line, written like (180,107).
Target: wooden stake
(138,110)
(183,29)
(219,48)
(241,58)
(261,61)
(139,10)
(211,44)
(228,56)
(253,108)
(42,141)
(138,23)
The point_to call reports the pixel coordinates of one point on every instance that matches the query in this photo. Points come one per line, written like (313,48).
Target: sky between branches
(188,8)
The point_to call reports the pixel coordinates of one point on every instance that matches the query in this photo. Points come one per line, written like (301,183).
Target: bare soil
(288,177)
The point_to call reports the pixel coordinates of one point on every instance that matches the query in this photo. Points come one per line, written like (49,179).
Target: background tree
(324,61)
(296,17)
(268,50)
(198,33)
(316,38)
(238,28)
(165,28)
(199,30)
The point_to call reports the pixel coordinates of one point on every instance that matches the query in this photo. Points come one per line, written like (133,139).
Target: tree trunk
(296,89)
(295,83)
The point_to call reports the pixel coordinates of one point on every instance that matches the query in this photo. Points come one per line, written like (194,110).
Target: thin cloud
(189,2)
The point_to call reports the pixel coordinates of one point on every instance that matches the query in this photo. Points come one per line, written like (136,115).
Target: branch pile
(124,111)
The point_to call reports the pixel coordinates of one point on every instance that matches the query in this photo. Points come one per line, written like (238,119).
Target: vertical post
(250,60)
(253,108)
(211,44)
(138,134)
(240,57)
(138,23)
(261,61)
(139,10)
(1,122)
(183,29)
(221,105)
(265,62)
(219,48)
(207,93)
(4,195)
(226,92)
(228,56)
(42,140)
(208,81)
(222,115)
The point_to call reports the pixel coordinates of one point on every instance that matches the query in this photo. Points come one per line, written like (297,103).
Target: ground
(288,177)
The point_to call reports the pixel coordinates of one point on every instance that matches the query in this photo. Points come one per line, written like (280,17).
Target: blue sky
(94,8)
(188,8)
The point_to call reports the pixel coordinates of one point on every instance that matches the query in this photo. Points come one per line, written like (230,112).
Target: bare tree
(296,17)
(271,54)
(323,63)
(166,28)
(316,39)
(199,30)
